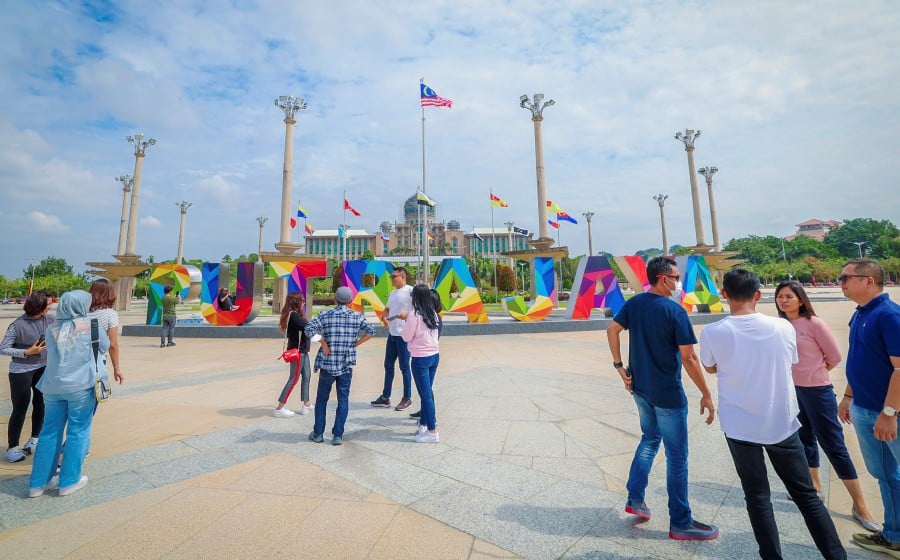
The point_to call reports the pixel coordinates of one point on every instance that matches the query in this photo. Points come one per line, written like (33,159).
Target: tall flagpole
(425,264)
(343,230)
(494,245)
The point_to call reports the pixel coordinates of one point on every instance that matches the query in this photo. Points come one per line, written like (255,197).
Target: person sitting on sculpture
(226,301)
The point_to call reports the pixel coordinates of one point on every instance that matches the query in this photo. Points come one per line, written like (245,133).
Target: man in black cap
(340,328)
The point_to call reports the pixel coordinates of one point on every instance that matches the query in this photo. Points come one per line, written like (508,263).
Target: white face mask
(677,291)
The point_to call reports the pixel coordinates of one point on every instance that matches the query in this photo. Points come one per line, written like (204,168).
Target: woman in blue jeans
(421,333)
(69,401)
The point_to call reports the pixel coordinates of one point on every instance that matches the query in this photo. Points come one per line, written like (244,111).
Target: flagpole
(343,231)
(424,191)
(494,245)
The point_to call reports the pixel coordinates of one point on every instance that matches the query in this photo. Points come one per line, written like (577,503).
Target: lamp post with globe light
(536,107)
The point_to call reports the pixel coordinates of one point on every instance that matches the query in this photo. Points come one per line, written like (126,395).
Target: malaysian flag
(431,99)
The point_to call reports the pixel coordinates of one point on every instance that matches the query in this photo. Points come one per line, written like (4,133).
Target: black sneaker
(416,414)
(878,543)
(381,401)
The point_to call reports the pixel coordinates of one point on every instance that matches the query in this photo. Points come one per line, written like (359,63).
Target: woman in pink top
(819,353)
(421,333)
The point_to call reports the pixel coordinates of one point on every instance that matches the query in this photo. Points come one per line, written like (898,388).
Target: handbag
(292,354)
(102,388)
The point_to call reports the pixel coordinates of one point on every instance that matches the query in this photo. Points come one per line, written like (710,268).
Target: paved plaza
(537,435)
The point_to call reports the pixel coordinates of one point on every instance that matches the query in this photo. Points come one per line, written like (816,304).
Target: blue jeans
(342,382)
(423,370)
(70,414)
(395,349)
(881,462)
(168,329)
(789,461)
(669,426)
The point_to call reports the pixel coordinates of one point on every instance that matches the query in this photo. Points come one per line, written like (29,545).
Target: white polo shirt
(399,301)
(753,355)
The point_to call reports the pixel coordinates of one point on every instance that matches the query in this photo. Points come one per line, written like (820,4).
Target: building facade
(815,228)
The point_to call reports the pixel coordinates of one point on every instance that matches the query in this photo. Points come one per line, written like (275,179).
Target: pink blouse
(816,346)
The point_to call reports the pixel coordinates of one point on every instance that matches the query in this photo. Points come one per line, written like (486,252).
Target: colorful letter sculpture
(455,272)
(377,295)
(544,294)
(595,287)
(299,276)
(700,292)
(185,279)
(248,294)
(634,269)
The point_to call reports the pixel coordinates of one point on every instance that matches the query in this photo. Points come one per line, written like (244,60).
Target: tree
(880,238)
(50,266)
(755,249)
(506,278)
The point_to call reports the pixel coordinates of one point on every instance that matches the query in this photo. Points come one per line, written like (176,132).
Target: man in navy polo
(872,398)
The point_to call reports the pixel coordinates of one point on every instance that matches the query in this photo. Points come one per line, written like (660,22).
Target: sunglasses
(843,278)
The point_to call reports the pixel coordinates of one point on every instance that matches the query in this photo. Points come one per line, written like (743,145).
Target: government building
(401,241)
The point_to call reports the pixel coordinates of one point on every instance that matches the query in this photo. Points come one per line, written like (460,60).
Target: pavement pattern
(537,434)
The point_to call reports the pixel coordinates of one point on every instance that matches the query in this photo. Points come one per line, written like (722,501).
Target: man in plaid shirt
(340,328)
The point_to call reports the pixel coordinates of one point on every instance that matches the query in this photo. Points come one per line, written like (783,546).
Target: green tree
(506,278)
(755,249)
(48,267)
(803,246)
(880,238)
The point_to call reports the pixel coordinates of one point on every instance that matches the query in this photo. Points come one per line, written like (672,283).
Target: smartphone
(41,340)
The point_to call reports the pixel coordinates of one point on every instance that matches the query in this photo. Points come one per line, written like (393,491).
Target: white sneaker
(283,413)
(74,488)
(421,429)
(30,446)
(306,410)
(427,437)
(52,485)
(15,454)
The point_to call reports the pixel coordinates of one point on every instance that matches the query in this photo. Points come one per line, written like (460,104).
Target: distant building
(817,229)
(446,238)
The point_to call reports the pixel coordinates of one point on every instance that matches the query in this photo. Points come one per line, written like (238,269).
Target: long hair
(806,308)
(102,293)
(423,304)
(293,302)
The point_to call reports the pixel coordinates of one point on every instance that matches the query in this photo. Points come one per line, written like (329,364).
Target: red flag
(352,210)
(293,223)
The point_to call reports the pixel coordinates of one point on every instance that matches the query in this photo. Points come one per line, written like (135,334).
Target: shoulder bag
(292,355)
(102,388)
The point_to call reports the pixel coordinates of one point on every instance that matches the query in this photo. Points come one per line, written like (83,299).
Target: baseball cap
(343,295)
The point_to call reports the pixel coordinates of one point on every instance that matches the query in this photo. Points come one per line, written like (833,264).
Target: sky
(796,102)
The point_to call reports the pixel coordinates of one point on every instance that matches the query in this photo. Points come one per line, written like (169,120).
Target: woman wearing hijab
(69,401)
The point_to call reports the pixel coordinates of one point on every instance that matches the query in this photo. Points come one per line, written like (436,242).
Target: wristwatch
(890,411)
(617,365)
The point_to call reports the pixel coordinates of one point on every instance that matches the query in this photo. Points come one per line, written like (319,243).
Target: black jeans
(22,391)
(789,461)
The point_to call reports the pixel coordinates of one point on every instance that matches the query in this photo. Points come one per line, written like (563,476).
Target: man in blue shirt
(661,337)
(340,328)
(872,398)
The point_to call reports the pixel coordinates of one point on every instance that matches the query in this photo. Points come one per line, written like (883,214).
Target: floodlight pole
(536,107)
(291,106)
(588,216)
(261,220)
(708,173)
(127,183)
(184,205)
(661,200)
(688,138)
(140,147)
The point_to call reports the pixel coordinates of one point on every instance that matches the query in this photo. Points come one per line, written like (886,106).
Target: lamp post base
(288,248)
(542,243)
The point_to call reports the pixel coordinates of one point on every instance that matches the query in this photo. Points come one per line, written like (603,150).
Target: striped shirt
(340,328)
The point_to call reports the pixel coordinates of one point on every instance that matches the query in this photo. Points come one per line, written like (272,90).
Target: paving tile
(417,535)
(535,439)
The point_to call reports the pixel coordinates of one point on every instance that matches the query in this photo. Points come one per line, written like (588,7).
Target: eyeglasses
(844,277)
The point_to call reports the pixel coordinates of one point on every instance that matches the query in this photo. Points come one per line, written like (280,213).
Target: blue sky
(794,100)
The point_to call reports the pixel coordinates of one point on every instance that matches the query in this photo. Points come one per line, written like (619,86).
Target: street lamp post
(140,147)
(509,228)
(184,205)
(661,200)
(688,139)
(127,183)
(708,173)
(588,216)
(536,106)
(522,270)
(261,220)
(859,245)
(291,106)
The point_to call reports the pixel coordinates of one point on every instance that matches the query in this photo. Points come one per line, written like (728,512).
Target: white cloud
(47,223)
(150,221)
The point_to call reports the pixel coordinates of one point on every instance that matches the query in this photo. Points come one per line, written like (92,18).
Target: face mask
(677,292)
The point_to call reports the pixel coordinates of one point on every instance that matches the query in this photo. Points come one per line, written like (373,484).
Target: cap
(343,295)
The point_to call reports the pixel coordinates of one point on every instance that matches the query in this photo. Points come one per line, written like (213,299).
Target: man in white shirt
(752,354)
(399,305)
